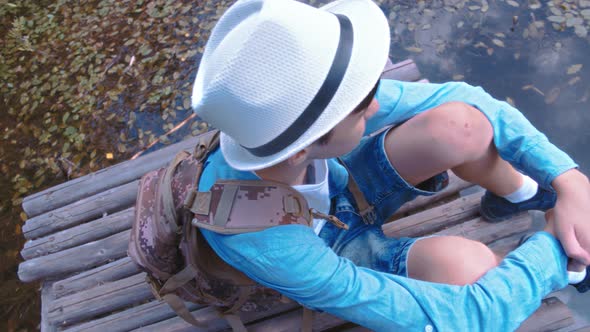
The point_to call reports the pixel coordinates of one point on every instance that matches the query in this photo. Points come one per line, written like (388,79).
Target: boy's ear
(299,157)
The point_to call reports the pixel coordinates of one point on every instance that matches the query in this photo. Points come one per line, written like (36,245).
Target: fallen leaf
(498,42)
(109,155)
(556,19)
(512,3)
(510,101)
(581,31)
(414,49)
(552,96)
(574,69)
(574,80)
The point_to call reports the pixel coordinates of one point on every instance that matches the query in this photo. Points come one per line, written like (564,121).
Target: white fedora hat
(276,75)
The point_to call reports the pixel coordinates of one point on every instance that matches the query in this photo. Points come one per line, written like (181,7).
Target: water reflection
(515,53)
(72,94)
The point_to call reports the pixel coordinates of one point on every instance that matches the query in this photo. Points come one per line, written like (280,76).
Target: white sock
(526,191)
(576,277)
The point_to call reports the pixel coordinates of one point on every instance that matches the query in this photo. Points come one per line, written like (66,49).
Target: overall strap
(366,210)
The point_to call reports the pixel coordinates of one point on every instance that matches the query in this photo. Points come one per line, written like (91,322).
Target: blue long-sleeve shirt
(297,263)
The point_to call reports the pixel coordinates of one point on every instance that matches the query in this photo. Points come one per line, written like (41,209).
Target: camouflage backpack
(180,264)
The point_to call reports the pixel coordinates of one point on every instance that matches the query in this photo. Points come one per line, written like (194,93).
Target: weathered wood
(114,176)
(292,322)
(86,209)
(503,246)
(402,71)
(99,300)
(455,185)
(78,235)
(434,219)
(46,298)
(113,271)
(212,320)
(75,259)
(551,316)
(486,232)
(133,318)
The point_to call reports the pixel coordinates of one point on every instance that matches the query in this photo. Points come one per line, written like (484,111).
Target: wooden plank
(455,185)
(480,230)
(133,318)
(86,209)
(211,319)
(99,300)
(91,184)
(402,71)
(503,246)
(551,316)
(46,298)
(78,235)
(432,220)
(75,259)
(113,271)
(292,322)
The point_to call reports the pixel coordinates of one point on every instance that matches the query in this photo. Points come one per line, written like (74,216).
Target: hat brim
(369,56)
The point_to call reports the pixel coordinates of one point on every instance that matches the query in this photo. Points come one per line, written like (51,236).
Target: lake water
(88,84)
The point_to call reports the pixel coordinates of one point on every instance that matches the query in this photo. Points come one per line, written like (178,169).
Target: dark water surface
(85,85)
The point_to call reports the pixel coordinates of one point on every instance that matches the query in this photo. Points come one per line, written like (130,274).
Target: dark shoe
(583,286)
(495,208)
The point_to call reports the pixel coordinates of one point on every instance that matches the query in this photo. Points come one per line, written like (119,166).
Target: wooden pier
(77,247)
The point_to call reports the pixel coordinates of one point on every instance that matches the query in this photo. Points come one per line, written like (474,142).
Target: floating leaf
(498,42)
(414,49)
(534,4)
(510,101)
(571,21)
(574,80)
(458,77)
(581,31)
(556,19)
(552,96)
(574,69)
(512,3)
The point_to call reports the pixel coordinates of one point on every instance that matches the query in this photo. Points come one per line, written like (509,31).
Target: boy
(292,87)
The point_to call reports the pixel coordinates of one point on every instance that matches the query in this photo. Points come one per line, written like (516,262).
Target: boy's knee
(459,128)
(451,260)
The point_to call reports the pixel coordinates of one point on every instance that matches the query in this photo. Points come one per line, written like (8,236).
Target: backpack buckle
(155,286)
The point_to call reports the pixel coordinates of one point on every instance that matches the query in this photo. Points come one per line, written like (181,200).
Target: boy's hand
(571,215)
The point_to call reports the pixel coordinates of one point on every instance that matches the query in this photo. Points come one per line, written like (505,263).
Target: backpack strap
(241,206)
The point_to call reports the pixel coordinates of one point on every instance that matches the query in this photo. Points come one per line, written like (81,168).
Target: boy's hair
(363,105)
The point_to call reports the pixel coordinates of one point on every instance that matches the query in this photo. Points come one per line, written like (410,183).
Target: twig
(178,126)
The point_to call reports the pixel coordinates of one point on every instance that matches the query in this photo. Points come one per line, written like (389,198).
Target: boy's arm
(516,140)
(294,261)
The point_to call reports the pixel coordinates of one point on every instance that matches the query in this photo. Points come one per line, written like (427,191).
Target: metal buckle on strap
(333,219)
(369,215)
(155,286)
